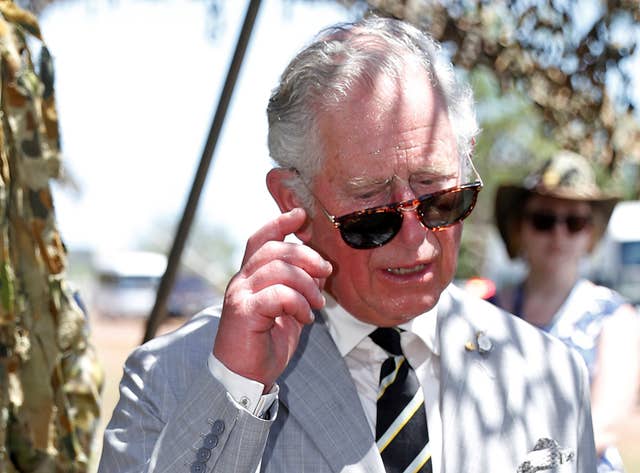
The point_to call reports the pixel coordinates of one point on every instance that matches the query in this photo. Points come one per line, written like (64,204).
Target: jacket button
(218,427)
(198,467)
(210,441)
(203,454)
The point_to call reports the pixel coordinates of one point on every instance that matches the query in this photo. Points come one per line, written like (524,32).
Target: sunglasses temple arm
(468,169)
(331,218)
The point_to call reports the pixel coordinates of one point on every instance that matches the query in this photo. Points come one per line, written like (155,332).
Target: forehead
(391,127)
(542,202)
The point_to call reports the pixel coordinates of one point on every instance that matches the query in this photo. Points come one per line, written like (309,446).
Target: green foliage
(471,255)
(513,142)
(571,59)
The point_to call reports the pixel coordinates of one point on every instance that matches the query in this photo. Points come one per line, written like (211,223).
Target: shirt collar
(347,331)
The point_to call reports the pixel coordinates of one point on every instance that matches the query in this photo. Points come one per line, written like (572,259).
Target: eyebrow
(433,176)
(359,183)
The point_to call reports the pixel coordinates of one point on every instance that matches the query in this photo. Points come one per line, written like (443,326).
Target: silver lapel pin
(482,344)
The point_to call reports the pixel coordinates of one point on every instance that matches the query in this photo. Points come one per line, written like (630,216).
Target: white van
(616,261)
(127,282)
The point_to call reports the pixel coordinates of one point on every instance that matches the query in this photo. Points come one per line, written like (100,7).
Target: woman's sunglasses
(546,222)
(376,226)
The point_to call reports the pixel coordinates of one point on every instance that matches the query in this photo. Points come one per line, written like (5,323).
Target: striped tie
(401,421)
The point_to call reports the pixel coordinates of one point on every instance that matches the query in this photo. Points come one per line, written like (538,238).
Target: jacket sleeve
(173,417)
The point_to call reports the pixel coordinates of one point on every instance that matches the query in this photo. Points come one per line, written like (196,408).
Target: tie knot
(388,338)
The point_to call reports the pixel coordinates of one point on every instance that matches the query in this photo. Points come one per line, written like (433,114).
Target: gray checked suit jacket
(495,403)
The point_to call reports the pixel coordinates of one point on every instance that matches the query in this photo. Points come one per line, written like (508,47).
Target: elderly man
(351,352)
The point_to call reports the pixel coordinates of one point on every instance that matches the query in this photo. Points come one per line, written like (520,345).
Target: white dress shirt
(364,359)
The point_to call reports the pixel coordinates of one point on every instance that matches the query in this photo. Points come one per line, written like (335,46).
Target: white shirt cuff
(246,392)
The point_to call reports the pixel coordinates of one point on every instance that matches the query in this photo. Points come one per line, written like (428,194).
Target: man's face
(387,145)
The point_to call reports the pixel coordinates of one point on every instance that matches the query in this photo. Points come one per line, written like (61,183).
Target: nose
(409,206)
(560,227)
(413,232)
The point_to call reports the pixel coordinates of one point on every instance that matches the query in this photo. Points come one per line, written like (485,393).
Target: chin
(403,312)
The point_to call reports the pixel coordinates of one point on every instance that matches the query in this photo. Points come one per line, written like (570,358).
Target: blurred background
(138,83)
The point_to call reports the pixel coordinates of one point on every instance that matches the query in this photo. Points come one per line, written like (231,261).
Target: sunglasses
(546,222)
(376,226)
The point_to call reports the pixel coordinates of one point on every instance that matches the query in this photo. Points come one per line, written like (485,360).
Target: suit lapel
(319,392)
(467,376)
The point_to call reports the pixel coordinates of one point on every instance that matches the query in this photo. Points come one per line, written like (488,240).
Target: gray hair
(339,59)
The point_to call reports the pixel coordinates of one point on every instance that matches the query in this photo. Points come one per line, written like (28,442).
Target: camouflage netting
(50,380)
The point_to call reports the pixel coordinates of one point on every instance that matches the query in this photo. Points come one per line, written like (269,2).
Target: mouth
(418,268)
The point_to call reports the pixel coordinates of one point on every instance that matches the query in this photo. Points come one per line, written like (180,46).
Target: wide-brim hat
(566,175)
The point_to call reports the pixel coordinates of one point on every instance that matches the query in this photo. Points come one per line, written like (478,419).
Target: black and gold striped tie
(401,420)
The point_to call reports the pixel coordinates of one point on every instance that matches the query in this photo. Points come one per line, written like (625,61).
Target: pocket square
(546,455)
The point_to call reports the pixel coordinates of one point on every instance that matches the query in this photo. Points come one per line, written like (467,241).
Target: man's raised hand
(269,300)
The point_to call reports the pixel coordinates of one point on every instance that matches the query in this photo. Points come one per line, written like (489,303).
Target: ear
(286,198)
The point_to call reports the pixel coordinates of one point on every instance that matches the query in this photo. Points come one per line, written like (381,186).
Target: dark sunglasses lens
(577,223)
(545,222)
(449,208)
(370,230)
(542,222)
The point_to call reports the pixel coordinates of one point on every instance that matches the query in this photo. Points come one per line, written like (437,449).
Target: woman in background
(553,220)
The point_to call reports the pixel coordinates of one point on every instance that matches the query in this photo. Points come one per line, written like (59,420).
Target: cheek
(528,240)
(449,241)
(584,243)
(449,238)
(346,261)
(353,271)
(351,279)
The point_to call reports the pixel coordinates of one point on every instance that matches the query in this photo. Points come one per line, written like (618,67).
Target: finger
(290,329)
(276,301)
(320,282)
(280,272)
(295,254)
(276,230)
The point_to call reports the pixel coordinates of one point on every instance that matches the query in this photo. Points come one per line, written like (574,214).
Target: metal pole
(158,313)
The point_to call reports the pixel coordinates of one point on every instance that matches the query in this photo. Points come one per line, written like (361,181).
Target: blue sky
(137,84)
